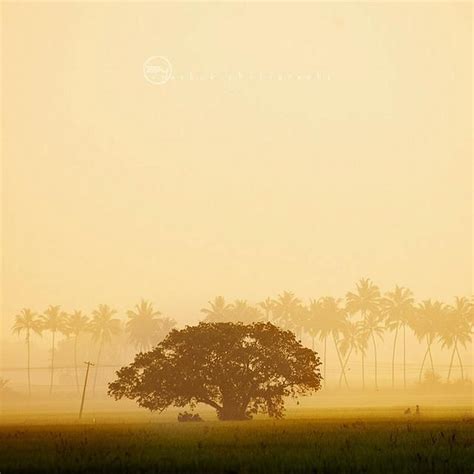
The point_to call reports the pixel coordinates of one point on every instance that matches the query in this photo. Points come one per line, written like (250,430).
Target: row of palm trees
(351,325)
(361,319)
(145,327)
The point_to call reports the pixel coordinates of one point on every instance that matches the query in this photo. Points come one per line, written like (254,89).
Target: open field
(342,441)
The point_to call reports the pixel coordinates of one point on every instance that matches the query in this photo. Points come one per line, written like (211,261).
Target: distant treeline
(364,317)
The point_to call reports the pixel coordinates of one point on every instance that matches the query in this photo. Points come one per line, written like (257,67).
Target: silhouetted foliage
(237,369)
(27,321)
(186,416)
(53,320)
(76,324)
(147,327)
(103,326)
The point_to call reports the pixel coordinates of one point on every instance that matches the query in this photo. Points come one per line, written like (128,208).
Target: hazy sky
(116,189)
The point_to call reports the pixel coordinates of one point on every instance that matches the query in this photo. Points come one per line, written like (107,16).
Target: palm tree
(53,320)
(354,339)
(267,305)
(286,311)
(76,324)
(330,319)
(143,325)
(103,327)
(371,326)
(28,323)
(165,325)
(455,329)
(218,312)
(242,312)
(312,326)
(363,341)
(300,320)
(365,300)
(426,325)
(397,307)
(348,343)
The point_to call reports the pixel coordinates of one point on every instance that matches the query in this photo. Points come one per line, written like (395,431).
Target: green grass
(324,445)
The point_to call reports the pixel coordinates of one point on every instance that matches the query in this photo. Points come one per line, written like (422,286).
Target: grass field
(333,442)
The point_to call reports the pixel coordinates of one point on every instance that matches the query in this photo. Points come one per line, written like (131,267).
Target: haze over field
(235,177)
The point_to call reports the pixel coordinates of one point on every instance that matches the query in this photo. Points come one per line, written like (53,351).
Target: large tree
(237,369)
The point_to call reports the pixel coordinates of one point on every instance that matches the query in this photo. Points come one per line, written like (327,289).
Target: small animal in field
(408,411)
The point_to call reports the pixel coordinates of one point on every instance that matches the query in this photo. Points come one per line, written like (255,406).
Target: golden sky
(244,185)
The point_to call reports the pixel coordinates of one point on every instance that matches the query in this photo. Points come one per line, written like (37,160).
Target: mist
(176,165)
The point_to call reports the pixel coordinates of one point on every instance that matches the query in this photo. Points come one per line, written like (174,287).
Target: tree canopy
(237,369)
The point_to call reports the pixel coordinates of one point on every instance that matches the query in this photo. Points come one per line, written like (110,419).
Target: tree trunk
(362,313)
(340,361)
(404,358)
(345,365)
(460,362)
(393,357)
(28,350)
(232,411)
(422,365)
(97,364)
(75,362)
(431,357)
(451,362)
(325,359)
(52,365)
(363,371)
(375,358)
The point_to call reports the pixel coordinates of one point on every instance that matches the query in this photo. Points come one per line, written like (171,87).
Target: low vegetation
(330,445)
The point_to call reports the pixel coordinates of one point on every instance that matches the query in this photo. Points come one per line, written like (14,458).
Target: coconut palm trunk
(393,357)
(28,351)
(422,365)
(363,371)
(404,358)
(52,364)
(451,361)
(345,365)
(75,362)
(431,357)
(375,359)
(460,362)
(340,360)
(325,359)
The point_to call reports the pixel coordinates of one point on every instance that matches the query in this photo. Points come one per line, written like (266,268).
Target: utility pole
(84,390)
